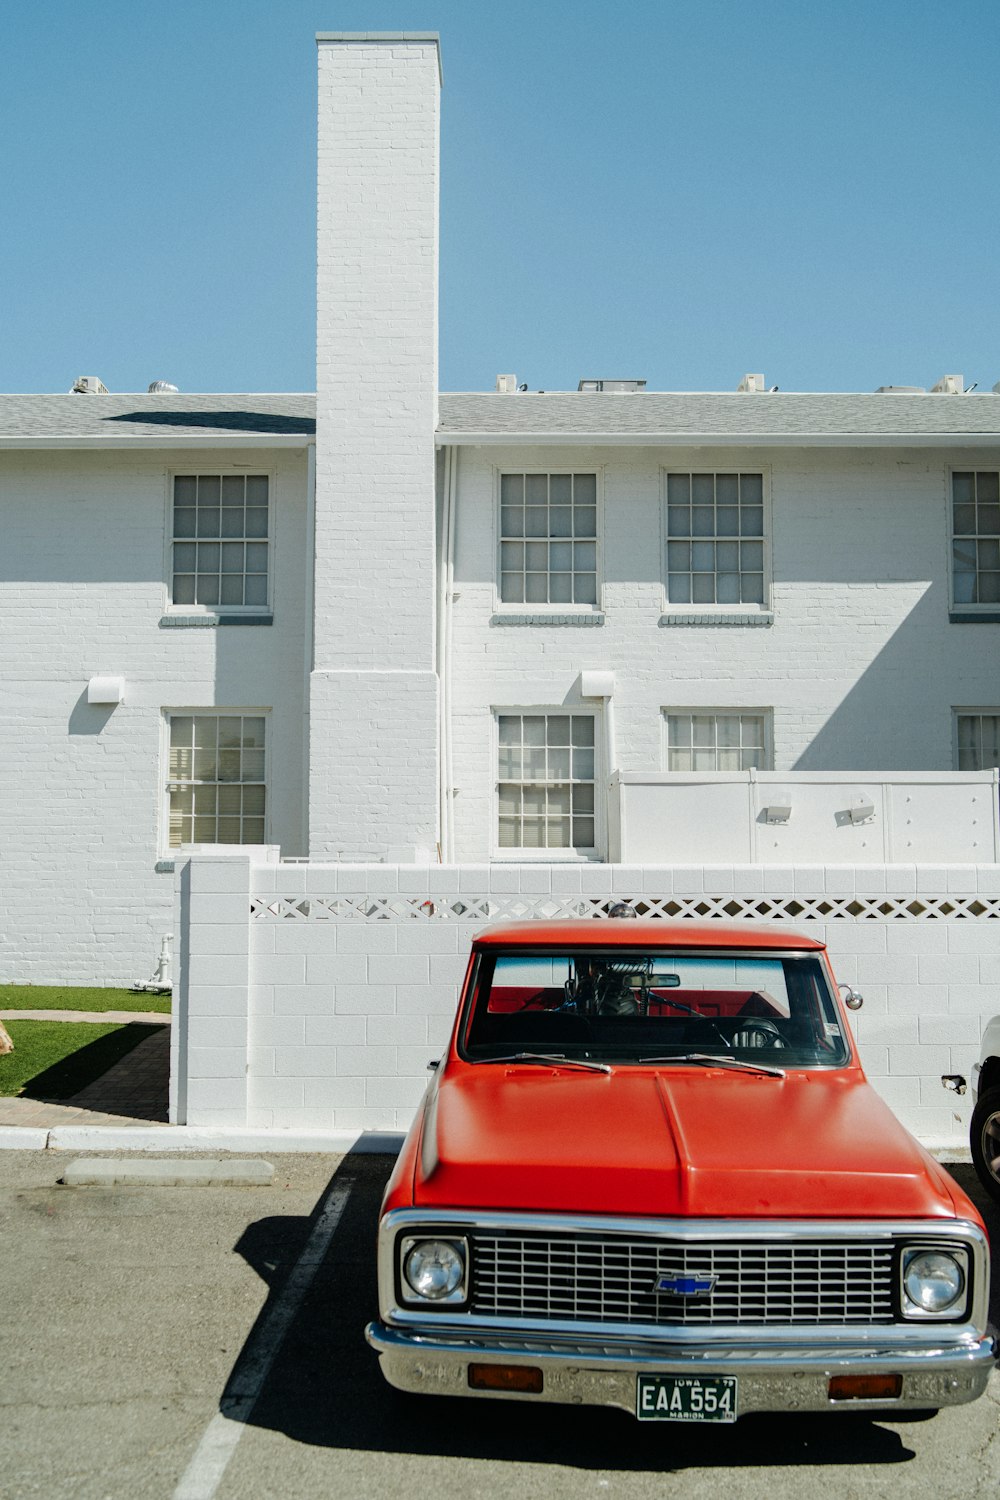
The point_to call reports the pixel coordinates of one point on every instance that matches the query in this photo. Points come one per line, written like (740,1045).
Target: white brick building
(86,515)
(457,619)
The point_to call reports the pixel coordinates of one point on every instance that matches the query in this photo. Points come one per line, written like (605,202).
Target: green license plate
(686,1398)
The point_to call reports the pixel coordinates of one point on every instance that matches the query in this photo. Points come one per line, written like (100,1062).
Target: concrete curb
(175,1138)
(91,1173)
(22,1138)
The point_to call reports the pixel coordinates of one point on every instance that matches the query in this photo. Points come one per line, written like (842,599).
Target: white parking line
(203,1474)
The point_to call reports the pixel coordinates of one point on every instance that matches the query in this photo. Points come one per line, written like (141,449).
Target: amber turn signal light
(865,1387)
(506,1378)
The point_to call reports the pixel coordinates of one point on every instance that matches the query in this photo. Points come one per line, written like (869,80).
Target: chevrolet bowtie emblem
(685,1286)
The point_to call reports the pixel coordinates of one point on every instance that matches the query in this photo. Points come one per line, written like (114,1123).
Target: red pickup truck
(650,1173)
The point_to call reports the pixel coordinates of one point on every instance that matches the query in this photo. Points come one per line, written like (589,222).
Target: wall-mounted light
(861,810)
(107,691)
(779,805)
(597,684)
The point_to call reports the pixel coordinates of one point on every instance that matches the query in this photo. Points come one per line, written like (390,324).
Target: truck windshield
(621,1006)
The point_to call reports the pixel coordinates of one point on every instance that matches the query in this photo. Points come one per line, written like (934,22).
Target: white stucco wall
(312,996)
(860,667)
(83,587)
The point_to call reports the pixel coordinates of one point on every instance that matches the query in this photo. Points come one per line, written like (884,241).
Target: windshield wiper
(555,1058)
(708,1060)
(689,1010)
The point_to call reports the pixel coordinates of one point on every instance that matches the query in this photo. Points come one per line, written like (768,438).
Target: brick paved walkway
(133,1092)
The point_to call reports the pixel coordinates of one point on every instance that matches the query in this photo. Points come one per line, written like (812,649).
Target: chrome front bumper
(779,1378)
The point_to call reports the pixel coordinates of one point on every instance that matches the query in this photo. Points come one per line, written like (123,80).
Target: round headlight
(933,1280)
(434,1269)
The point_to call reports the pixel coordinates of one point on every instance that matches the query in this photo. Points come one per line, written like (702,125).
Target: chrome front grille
(611,1279)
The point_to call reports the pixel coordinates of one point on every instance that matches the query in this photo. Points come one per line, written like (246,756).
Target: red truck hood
(700,1141)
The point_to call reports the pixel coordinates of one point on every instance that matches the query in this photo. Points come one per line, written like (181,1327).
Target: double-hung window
(717,740)
(715,539)
(546,781)
(978,733)
(216,787)
(975,512)
(548,539)
(219,541)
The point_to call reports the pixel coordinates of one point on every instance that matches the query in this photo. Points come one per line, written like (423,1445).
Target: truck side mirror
(852,999)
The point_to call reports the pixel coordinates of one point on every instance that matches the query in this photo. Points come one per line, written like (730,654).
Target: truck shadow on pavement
(325,1388)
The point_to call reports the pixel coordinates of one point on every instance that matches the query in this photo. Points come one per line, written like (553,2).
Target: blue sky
(665,190)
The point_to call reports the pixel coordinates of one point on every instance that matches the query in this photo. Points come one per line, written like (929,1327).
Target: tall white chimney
(373,698)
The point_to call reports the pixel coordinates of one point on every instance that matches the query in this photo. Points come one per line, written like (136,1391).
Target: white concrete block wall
(860,668)
(353,981)
(210,1030)
(83,587)
(374,684)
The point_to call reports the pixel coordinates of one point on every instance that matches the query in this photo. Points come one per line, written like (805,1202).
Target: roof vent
(949,385)
(617,387)
(88,385)
(161,388)
(507,384)
(901,390)
(752,383)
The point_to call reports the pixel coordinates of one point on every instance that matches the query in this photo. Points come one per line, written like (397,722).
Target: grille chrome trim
(611,1280)
(691,1232)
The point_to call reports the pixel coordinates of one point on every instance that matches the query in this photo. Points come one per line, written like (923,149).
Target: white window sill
(165,862)
(712,615)
(965,614)
(545,857)
(548,615)
(209,621)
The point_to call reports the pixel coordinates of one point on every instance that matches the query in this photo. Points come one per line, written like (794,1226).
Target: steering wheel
(756,1032)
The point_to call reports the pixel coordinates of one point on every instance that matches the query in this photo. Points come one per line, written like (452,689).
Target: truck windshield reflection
(624,1006)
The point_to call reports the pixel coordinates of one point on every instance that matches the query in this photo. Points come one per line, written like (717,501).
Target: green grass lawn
(65,997)
(56,1059)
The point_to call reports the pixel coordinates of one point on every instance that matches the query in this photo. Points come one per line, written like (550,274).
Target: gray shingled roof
(488,417)
(168,416)
(757,417)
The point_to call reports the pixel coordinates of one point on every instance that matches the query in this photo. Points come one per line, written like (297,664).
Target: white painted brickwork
(860,666)
(82,594)
(313,995)
(374,688)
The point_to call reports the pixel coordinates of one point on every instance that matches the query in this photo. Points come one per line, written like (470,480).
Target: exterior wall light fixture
(107,691)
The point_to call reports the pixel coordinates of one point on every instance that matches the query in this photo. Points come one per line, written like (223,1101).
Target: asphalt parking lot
(138,1324)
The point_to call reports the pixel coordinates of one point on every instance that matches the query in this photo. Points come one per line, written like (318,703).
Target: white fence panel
(774,817)
(313,996)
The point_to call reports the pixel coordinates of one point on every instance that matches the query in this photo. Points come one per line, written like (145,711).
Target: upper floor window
(717,740)
(216,785)
(978,740)
(976,536)
(546,780)
(715,539)
(548,539)
(220,540)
